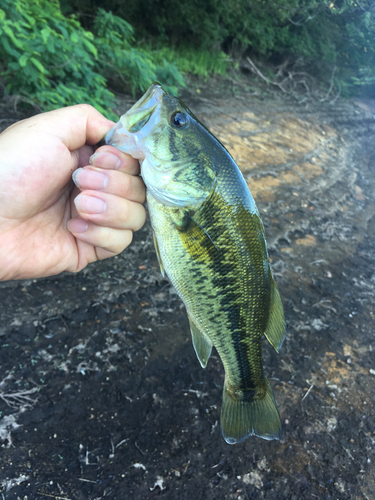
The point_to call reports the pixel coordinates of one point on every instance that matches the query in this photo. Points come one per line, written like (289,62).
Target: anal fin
(275,331)
(202,344)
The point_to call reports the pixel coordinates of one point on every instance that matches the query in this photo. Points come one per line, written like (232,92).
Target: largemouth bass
(210,242)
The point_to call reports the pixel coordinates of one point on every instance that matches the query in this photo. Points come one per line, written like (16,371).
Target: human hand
(48,225)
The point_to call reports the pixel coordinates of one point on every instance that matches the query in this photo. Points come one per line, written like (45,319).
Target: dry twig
(19,399)
(259,73)
(331,86)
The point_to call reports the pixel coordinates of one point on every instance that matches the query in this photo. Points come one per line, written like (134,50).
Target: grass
(200,62)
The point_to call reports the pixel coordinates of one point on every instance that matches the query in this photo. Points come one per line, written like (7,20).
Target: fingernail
(90,204)
(85,178)
(77,225)
(105,160)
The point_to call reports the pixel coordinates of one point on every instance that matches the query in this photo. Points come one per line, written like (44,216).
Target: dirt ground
(101,394)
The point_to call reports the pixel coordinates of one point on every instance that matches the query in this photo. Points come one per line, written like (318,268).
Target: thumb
(75,125)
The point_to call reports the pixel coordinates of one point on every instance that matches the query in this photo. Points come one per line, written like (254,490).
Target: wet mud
(101,395)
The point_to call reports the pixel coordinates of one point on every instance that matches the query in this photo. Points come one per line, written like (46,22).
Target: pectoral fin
(162,270)
(196,240)
(275,331)
(201,343)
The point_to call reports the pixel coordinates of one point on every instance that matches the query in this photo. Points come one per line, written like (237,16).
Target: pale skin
(50,224)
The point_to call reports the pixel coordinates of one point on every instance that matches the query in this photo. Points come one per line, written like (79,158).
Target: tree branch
(331,86)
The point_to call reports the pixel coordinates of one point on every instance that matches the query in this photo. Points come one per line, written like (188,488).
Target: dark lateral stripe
(222,267)
(231,305)
(226,270)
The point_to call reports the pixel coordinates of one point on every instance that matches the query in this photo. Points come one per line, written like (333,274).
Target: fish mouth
(139,114)
(122,135)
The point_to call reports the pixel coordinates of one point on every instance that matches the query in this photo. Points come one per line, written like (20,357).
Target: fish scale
(210,242)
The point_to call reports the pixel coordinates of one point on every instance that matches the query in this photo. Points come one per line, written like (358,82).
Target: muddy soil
(101,394)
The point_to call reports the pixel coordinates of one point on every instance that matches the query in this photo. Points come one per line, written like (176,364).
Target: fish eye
(179,119)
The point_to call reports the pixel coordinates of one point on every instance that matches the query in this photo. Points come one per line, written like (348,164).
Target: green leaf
(38,64)
(10,34)
(74,37)
(90,46)
(45,32)
(23,60)
(10,50)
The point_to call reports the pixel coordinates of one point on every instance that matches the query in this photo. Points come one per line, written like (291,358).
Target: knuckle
(127,185)
(106,236)
(120,241)
(140,219)
(126,211)
(86,108)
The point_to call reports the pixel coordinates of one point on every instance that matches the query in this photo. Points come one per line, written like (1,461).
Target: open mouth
(139,115)
(140,123)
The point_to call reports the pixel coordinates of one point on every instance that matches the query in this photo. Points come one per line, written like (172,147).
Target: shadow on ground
(101,395)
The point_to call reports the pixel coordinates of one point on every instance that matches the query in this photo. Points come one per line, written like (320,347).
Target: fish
(210,243)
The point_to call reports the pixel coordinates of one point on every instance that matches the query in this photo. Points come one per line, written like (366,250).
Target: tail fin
(246,416)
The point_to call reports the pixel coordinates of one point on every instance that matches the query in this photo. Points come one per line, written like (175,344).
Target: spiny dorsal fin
(201,343)
(162,270)
(275,331)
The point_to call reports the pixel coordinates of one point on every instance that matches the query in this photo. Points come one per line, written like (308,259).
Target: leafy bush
(322,33)
(169,75)
(120,61)
(337,35)
(197,61)
(48,60)
(116,57)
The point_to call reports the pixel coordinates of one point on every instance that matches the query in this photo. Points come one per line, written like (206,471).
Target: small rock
(253,478)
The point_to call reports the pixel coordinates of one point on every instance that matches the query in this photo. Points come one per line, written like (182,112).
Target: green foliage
(199,61)
(340,34)
(116,57)
(132,66)
(170,76)
(324,33)
(50,61)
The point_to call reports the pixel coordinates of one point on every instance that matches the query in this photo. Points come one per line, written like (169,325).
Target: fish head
(163,134)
